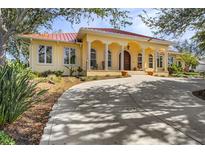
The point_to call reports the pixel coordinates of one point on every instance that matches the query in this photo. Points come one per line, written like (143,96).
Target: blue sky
(137,27)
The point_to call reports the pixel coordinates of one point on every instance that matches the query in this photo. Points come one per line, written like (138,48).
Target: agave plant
(17,93)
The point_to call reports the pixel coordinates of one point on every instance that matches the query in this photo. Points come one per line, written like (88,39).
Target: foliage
(80,71)
(28,20)
(18,50)
(6,139)
(190,60)
(71,69)
(55,79)
(174,69)
(21,68)
(176,21)
(58,73)
(17,92)
(190,47)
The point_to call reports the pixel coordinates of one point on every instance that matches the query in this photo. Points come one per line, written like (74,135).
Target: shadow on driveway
(130,111)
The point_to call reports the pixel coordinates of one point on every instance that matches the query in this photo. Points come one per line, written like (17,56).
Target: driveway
(135,110)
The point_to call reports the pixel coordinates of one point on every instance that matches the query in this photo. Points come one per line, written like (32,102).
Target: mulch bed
(199,94)
(28,129)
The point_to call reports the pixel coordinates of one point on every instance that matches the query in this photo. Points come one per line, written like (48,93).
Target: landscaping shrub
(58,73)
(80,71)
(49,72)
(95,77)
(71,69)
(17,92)
(6,139)
(174,69)
(21,68)
(83,79)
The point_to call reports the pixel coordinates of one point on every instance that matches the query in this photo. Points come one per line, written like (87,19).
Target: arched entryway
(127,61)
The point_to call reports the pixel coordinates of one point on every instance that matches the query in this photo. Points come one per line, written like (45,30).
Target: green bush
(173,69)
(17,93)
(21,68)
(58,73)
(5,139)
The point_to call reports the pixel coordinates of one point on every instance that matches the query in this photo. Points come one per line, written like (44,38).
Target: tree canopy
(28,20)
(175,22)
(189,60)
(190,47)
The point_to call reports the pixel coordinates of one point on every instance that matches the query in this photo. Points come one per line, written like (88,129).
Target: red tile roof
(117,31)
(65,37)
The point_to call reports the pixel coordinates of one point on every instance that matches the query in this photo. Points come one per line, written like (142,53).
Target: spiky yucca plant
(17,93)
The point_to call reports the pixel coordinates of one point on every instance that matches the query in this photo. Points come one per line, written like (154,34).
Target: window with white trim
(69,56)
(45,54)
(160,61)
(93,61)
(150,61)
(109,59)
(139,61)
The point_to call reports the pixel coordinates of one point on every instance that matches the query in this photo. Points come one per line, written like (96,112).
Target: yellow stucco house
(100,51)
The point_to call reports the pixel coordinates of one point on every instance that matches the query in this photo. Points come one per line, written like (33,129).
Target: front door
(127,61)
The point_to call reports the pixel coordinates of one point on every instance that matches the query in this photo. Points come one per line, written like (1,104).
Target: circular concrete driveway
(135,110)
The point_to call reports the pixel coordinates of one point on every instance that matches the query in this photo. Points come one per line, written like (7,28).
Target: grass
(5,139)
(186,74)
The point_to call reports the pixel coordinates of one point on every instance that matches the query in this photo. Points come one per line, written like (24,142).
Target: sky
(137,27)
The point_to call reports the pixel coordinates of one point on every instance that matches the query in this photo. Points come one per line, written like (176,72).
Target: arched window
(139,61)
(93,62)
(109,59)
(150,61)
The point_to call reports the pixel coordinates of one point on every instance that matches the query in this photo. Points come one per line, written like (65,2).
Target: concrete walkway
(135,110)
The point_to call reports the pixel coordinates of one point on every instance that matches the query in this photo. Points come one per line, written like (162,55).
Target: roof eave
(34,38)
(83,30)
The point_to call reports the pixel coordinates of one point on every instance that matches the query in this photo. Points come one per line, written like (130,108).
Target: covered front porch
(110,58)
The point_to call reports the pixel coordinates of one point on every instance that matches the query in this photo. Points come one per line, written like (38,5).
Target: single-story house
(100,51)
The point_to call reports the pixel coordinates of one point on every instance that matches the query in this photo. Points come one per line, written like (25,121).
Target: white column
(143,59)
(122,57)
(88,55)
(166,61)
(106,56)
(155,61)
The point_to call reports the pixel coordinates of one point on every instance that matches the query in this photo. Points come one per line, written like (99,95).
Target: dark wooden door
(127,61)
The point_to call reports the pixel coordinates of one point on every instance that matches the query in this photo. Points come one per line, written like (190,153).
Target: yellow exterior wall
(98,43)
(57,50)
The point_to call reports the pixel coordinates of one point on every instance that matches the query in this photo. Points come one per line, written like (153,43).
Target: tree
(175,22)
(189,60)
(18,21)
(189,46)
(18,50)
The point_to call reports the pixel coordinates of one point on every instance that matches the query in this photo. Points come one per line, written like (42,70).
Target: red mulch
(28,129)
